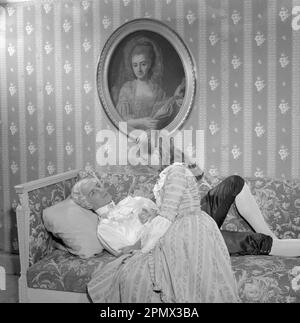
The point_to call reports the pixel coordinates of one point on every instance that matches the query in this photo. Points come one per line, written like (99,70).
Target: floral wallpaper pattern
(247,58)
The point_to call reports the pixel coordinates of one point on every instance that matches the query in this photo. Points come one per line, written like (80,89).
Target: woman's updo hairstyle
(144,48)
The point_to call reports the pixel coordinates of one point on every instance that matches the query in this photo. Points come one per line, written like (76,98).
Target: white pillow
(75,226)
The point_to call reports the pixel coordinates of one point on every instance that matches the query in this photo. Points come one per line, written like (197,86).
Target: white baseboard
(10,262)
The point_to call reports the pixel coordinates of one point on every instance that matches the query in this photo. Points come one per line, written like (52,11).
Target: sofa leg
(23,290)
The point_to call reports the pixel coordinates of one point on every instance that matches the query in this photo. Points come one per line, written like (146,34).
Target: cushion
(75,226)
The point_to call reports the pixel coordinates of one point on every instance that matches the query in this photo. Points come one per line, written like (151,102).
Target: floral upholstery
(119,185)
(63,271)
(260,278)
(267,279)
(40,242)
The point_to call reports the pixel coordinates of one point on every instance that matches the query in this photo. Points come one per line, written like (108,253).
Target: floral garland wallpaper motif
(247,62)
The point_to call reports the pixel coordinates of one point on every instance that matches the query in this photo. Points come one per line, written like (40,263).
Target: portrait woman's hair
(136,46)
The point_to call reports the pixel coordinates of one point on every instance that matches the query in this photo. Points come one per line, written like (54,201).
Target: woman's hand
(135,246)
(143,123)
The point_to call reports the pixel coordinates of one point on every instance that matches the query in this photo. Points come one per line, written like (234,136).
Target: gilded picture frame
(169,98)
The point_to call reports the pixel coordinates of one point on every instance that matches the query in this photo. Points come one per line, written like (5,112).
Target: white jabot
(120,225)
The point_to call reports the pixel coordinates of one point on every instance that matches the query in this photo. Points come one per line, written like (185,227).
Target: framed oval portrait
(146,77)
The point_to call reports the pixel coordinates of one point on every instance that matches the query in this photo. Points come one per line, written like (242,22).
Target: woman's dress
(190,263)
(131,106)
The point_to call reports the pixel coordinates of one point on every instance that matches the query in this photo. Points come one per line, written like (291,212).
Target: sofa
(49,274)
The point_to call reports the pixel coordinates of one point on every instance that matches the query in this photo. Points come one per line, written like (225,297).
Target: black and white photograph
(149,156)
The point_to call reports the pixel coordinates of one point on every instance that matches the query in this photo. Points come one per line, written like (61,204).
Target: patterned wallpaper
(247,57)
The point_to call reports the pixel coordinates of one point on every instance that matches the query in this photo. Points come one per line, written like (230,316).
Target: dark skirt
(217,203)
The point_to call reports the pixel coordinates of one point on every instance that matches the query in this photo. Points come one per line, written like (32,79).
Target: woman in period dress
(141,96)
(184,259)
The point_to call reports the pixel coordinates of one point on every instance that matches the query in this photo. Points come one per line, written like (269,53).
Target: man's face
(97,195)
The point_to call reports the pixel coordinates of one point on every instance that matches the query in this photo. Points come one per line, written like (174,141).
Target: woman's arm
(171,194)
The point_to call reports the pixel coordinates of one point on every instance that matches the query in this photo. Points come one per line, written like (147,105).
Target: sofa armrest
(34,240)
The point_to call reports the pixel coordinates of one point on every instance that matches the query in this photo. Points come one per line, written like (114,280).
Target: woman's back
(189,263)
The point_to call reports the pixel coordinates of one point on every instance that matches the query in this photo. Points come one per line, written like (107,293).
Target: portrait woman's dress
(131,106)
(190,263)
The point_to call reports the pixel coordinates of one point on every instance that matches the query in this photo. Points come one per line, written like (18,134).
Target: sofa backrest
(121,185)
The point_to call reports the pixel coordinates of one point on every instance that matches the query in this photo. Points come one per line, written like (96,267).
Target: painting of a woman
(139,94)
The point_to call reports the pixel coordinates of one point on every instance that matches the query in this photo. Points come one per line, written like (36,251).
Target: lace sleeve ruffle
(160,183)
